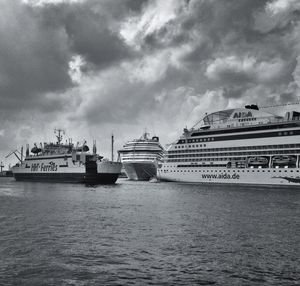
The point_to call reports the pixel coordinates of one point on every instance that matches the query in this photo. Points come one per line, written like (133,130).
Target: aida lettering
(242,114)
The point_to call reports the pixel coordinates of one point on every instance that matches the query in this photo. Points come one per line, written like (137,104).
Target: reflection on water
(138,233)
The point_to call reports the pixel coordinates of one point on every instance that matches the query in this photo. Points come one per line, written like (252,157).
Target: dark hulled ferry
(58,162)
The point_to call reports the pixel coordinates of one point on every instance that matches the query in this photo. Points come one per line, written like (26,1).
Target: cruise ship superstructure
(140,157)
(59,162)
(237,146)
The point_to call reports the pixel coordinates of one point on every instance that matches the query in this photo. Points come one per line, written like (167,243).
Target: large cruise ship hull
(255,176)
(140,171)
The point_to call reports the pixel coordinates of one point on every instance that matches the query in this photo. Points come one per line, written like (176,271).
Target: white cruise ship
(141,156)
(58,162)
(237,146)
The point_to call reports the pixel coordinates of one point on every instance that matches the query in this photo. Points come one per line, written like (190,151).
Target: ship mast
(112,147)
(59,136)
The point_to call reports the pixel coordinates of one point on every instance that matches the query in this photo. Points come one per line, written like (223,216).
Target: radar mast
(59,131)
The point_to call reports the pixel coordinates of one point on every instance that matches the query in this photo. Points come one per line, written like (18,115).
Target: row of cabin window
(190,146)
(247,119)
(183,141)
(228,171)
(205,159)
(233,148)
(130,158)
(249,153)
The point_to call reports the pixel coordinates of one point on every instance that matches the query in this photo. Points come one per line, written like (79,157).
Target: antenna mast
(59,136)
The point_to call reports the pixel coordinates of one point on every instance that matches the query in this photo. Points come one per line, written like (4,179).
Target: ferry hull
(272,177)
(104,172)
(141,171)
(92,179)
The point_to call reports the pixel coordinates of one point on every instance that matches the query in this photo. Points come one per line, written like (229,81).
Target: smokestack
(27,150)
(94,147)
(22,154)
(112,147)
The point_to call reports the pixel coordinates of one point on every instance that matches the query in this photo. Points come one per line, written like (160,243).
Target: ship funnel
(112,147)
(94,147)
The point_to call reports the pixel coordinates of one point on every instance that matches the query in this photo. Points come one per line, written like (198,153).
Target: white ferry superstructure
(58,162)
(237,146)
(140,157)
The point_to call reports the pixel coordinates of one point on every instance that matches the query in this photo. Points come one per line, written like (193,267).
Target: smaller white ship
(140,157)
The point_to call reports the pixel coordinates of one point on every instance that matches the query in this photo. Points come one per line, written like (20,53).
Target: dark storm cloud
(38,42)
(32,60)
(91,38)
(91,29)
(135,5)
(229,40)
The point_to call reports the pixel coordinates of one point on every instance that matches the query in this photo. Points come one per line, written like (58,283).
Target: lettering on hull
(50,167)
(221,176)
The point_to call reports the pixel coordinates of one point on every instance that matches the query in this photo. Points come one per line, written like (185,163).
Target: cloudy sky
(94,67)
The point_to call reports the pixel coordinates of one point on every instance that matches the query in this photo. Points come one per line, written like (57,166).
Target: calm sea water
(138,233)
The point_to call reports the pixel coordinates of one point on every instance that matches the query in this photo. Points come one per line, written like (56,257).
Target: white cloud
(282,6)
(148,69)
(277,13)
(155,15)
(45,2)
(75,65)
(234,68)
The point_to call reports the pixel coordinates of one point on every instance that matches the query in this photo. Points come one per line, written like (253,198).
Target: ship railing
(222,123)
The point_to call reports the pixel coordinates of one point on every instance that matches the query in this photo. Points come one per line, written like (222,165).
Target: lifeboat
(257,161)
(284,160)
(83,148)
(36,150)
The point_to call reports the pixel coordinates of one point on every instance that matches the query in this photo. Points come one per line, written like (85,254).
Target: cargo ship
(65,163)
